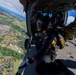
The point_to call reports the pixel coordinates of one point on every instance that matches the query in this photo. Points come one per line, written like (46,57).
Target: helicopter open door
(31,12)
(31,7)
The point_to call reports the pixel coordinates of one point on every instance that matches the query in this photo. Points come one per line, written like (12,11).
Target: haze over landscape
(14,7)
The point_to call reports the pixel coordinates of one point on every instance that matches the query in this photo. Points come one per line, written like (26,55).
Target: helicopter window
(71,17)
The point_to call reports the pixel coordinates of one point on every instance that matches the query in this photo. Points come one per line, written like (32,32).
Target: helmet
(42,22)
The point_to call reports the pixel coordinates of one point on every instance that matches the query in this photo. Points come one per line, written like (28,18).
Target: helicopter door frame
(29,12)
(65,17)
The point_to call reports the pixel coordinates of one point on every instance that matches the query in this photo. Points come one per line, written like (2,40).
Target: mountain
(12,12)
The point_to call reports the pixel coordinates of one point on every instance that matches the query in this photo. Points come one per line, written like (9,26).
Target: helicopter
(45,21)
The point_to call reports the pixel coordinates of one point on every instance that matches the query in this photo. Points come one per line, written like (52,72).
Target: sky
(13,5)
(71,16)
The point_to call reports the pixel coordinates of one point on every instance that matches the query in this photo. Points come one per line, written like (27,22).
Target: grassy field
(1,57)
(15,38)
(16,65)
(17,34)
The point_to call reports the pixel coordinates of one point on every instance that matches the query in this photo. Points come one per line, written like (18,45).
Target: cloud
(70,19)
(8,5)
(13,5)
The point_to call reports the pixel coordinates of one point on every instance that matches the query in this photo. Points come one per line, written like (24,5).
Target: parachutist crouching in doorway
(47,42)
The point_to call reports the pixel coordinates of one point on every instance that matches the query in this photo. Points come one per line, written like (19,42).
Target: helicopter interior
(46,6)
(44,14)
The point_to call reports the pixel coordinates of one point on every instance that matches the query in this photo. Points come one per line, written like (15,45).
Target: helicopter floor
(60,67)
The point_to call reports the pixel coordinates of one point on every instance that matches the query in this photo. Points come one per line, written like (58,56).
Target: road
(66,58)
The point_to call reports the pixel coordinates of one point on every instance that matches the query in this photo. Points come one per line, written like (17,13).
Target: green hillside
(17,34)
(12,36)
